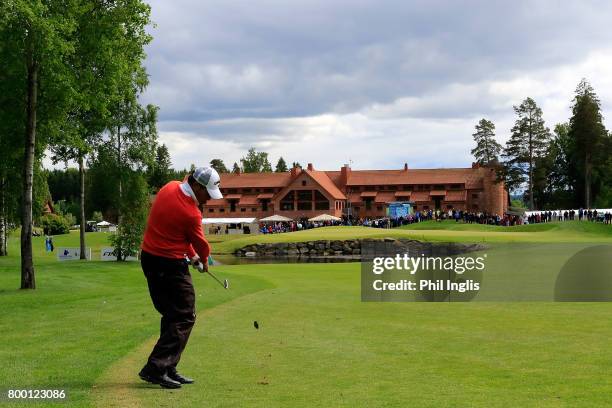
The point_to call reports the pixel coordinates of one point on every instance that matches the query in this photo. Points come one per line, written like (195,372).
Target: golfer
(174,230)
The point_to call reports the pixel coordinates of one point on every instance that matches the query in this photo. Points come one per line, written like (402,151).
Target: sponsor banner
(71,254)
(106,254)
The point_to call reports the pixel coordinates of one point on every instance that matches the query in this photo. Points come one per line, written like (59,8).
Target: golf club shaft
(215,278)
(189,262)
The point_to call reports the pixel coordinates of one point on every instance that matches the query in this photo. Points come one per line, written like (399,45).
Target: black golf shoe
(174,375)
(153,377)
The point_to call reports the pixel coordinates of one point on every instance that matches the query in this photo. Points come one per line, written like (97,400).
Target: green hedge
(54,224)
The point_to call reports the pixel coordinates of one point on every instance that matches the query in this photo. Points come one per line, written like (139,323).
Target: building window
(368,204)
(253,209)
(426,207)
(243,210)
(232,191)
(321,203)
(455,186)
(356,209)
(304,200)
(303,182)
(379,208)
(475,195)
(264,205)
(232,205)
(449,207)
(221,209)
(267,190)
(286,203)
(210,210)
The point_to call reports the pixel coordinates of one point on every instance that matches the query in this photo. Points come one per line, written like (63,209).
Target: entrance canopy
(229,220)
(324,217)
(276,218)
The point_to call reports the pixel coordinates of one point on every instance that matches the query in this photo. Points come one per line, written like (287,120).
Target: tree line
(570,167)
(71,73)
(62,185)
(253,162)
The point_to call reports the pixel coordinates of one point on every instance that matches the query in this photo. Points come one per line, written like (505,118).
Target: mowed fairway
(82,317)
(318,345)
(89,327)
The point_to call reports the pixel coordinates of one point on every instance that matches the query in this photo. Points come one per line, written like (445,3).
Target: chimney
(405,166)
(295,170)
(345,173)
(310,167)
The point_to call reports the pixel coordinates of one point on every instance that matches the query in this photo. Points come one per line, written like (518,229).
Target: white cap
(209,178)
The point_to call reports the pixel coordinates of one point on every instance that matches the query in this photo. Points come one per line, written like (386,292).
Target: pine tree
(160,172)
(255,162)
(266,167)
(218,165)
(528,142)
(588,137)
(487,149)
(281,166)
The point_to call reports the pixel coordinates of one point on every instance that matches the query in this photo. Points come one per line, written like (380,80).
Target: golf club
(225,282)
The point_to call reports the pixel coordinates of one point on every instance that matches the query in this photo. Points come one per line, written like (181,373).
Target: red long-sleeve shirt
(174,227)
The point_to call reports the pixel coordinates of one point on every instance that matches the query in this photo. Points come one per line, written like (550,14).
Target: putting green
(318,345)
(446,231)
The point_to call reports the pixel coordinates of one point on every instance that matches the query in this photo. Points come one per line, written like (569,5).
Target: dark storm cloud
(375,82)
(265,59)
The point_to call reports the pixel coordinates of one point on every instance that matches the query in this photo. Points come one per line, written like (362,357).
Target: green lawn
(447,231)
(82,317)
(318,345)
(89,327)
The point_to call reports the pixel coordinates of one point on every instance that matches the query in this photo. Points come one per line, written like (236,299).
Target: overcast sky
(379,83)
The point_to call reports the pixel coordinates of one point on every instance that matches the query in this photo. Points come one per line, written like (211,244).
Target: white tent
(229,220)
(324,217)
(276,218)
(104,224)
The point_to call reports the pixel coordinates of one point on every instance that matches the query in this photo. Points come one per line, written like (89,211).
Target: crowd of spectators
(593,215)
(466,217)
(291,226)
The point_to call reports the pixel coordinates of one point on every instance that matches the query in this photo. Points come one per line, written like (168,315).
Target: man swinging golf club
(174,229)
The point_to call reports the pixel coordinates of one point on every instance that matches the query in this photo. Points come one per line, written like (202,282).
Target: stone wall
(302,249)
(358,248)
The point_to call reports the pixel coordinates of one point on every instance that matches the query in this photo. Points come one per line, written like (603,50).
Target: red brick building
(308,192)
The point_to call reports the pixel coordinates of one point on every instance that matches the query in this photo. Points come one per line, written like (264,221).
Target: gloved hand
(197,263)
(199,266)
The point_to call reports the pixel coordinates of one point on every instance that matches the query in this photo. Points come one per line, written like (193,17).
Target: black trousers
(173,296)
